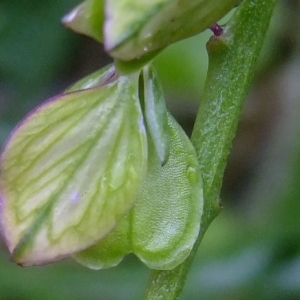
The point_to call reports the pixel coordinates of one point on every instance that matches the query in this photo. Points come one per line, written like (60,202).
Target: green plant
(58,199)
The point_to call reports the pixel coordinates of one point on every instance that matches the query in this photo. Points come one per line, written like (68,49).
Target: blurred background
(252,250)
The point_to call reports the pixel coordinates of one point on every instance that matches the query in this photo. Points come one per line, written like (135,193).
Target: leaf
(71,170)
(164,223)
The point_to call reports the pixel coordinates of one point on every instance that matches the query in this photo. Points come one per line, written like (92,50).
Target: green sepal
(87,18)
(136,28)
(72,169)
(165,221)
(155,113)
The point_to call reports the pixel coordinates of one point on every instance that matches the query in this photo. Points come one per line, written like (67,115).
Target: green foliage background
(252,249)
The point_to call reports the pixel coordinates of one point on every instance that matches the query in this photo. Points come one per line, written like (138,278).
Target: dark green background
(252,250)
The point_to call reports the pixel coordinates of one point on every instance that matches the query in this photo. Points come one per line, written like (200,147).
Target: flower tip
(70,17)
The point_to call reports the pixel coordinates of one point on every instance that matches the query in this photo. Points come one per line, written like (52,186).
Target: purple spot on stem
(216,29)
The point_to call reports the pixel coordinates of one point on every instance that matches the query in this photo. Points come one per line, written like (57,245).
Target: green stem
(232,59)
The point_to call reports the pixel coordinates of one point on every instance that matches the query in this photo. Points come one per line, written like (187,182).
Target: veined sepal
(72,169)
(164,223)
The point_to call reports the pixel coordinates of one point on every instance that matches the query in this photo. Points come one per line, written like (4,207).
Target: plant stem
(232,58)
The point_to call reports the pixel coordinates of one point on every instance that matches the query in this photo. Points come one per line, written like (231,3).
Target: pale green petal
(109,251)
(71,170)
(166,217)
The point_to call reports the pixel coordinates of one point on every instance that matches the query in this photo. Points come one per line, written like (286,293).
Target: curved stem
(232,58)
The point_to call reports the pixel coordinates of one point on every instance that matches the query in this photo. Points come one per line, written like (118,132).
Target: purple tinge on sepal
(1,224)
